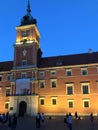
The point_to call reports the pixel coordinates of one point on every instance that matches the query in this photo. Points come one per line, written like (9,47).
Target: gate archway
(22,108)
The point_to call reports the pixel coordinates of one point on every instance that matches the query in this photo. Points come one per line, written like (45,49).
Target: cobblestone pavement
(56,123)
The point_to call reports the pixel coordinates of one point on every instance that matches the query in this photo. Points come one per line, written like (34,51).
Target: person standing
(91,117)
(38,118)
(69,120)
(42,117)
(13,122)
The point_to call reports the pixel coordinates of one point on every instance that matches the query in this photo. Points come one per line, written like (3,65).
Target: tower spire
(28,7)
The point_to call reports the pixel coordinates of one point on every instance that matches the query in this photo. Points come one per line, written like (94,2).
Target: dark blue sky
(66,26)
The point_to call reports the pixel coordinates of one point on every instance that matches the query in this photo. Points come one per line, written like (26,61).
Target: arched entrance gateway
(22,108)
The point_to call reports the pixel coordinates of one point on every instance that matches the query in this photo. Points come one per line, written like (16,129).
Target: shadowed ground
(56,123)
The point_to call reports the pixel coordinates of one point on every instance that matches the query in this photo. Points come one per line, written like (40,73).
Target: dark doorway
(22,108)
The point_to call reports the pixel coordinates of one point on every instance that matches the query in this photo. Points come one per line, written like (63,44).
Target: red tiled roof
(6,66)
(66,60)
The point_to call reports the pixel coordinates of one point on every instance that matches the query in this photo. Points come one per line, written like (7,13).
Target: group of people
(39,118)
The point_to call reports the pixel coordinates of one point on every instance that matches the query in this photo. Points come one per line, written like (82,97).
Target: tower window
(24,62)
(23,75)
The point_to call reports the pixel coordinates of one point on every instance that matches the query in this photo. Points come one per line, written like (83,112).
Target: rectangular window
(53,84)
(7,105)
(84,71)
(54,101)
(69,90)
(42,84)
(0,78)
(70,103)
(23,75)
(24,62)
(0,90)
(42,102)
(85,89)
(42,73)
(8,91)
(9,77)
(69,72)
(53,72)
(86,103)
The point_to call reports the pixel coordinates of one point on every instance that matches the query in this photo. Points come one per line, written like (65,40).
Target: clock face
(25,33)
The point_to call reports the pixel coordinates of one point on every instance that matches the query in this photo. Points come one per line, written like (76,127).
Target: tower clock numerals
(25,33)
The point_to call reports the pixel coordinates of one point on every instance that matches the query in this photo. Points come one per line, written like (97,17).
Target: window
(42,101)
(24,62)
(70,103)
(42,84)
(69,72)
(0,90)
(9,77)
(69,90)
(85,89)
(84,71)
(0,78)
(54,101)
(8,91)
(25,91)
(7,105)
(53,83)
(41,73)
(23,75)
(86,103)
(53,73)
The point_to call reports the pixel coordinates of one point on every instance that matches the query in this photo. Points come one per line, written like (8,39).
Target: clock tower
(27,47)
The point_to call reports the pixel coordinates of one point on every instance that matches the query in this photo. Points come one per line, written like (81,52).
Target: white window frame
(53,72)
(84,69)
(41,81)
(68,70)
(8,105)
(7,88)
(10,76)
(1,77)
(42,73)
(53,80)
(69,85)
(0,90)
(23,75)
(86,100)
(85,84)
(43,100)
(53,98)
(70,100)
